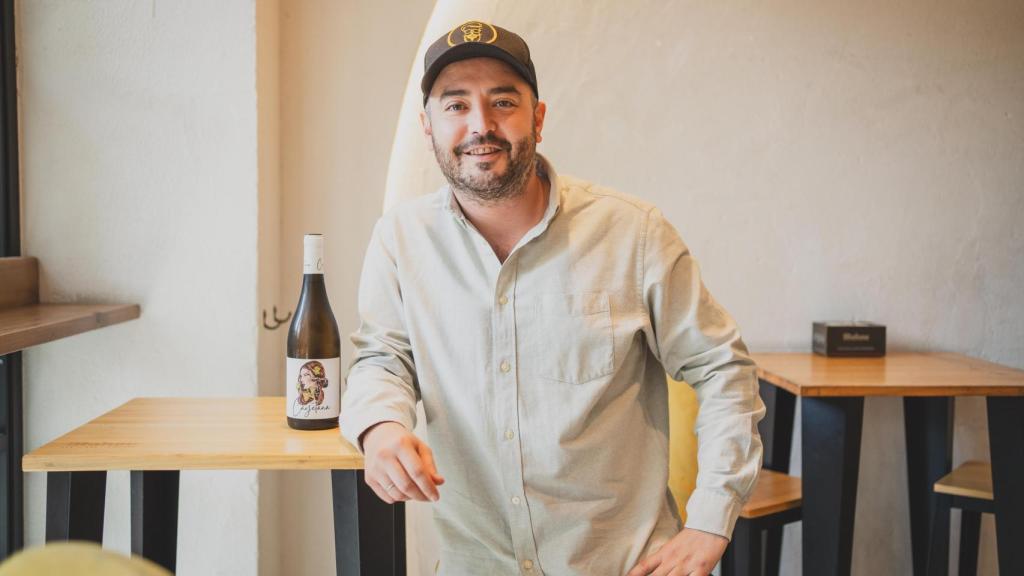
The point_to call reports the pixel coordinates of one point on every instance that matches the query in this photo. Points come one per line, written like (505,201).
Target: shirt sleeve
(381,384)
(698,342)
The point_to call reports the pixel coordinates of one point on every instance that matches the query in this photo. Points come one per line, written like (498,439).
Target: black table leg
(74,506)
(369,534)
(928,424)
(155,516)
(831,431)
(1006,445)
(776,430)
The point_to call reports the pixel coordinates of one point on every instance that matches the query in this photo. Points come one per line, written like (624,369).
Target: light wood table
(832,392)
(156,438)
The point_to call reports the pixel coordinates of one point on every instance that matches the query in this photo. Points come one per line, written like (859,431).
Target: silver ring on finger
(390,486)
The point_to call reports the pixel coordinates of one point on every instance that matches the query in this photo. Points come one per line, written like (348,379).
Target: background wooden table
(832,392)
(156,438)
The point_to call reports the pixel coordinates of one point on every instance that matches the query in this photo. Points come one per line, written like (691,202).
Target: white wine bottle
(314,349)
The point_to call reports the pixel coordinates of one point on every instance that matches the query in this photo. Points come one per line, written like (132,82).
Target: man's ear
(538,119)
(427,131)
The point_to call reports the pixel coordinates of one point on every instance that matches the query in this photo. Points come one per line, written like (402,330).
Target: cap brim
(465,52)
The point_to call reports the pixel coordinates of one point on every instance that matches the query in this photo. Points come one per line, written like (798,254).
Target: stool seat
(970,479)
(969,488)
(774,492)
(775,501)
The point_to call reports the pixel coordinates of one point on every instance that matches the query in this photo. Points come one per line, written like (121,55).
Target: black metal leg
(745,556)
(776,430)
(938,544)
(1006,444)
(369,534)
(74,505)
(773,550)
(970,532)
(12,536)
(728,561)
(155,516)
(928,424)
(831,431)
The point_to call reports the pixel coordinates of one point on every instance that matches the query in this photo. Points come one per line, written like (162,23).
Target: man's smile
(483,152)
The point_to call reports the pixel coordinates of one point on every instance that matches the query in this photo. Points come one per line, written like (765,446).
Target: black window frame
(12,537)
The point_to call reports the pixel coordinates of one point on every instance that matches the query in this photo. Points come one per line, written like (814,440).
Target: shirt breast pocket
(571,337)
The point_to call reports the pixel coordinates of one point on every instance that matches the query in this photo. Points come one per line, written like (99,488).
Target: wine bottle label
(314,388)
(313,254)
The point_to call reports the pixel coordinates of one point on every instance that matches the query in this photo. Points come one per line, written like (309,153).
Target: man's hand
(690,553)
(399,466)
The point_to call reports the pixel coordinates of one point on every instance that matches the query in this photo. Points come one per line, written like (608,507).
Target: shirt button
(527,565)
(509,434)
(515,500)
(505,366)
(503,300)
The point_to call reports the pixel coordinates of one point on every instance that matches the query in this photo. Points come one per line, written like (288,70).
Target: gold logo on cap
(473,31)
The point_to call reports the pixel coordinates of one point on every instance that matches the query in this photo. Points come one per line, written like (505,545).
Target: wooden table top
(195,434)
(897,374)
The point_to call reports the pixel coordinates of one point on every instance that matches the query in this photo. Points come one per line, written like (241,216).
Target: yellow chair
(776,499)
(682,465)
(77,559)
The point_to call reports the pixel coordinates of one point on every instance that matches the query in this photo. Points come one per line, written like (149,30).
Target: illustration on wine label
(311,383)
(313,392)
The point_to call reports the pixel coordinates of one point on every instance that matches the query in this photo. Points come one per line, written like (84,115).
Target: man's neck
(503,223)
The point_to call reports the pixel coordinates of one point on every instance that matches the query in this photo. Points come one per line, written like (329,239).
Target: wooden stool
(968,488)
(776,501)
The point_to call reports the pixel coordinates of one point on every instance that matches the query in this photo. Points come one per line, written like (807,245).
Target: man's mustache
(490,139)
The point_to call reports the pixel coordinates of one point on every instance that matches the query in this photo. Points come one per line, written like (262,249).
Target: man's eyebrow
(503,90)
(450,92)
(453,92)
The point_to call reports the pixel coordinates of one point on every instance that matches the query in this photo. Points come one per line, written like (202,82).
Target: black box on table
(849,339)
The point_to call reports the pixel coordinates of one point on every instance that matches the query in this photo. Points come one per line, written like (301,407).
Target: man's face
(483,127)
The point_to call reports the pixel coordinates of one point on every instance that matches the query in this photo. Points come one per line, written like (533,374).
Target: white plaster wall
(271,342)
(343,68)
(139,184)
(823,160)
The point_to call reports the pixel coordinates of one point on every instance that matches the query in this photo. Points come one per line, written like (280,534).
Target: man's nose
(481,120)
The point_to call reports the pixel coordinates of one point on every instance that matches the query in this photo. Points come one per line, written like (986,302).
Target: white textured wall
(271,343)
(823,160)
(139,174)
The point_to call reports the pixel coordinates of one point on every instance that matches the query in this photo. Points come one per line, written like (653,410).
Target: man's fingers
(379,490)
(404,487)
(418,472)
(665,569)
(645,566)
(427,455)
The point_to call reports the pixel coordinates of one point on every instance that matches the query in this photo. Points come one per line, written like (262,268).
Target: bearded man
(535,316)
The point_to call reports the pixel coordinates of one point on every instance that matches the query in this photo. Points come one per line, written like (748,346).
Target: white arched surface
(821,160)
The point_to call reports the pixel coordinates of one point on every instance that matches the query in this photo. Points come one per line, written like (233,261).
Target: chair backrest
(682,468)
(79,558)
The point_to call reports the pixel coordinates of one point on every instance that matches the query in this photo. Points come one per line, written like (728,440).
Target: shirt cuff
(712,511)
(352,427)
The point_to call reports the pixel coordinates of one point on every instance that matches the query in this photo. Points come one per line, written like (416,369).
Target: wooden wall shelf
(24,322)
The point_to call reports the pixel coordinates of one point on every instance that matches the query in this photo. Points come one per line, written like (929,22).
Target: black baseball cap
(474,39)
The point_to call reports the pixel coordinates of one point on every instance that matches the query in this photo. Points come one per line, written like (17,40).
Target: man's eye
(455,106)
(504,103)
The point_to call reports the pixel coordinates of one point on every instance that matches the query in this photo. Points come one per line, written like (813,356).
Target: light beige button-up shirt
(543,380)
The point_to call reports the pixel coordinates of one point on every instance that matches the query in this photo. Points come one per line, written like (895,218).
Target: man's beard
(479,180)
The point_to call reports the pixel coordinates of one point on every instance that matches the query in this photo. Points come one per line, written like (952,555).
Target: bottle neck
(313,282)
(313,255)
